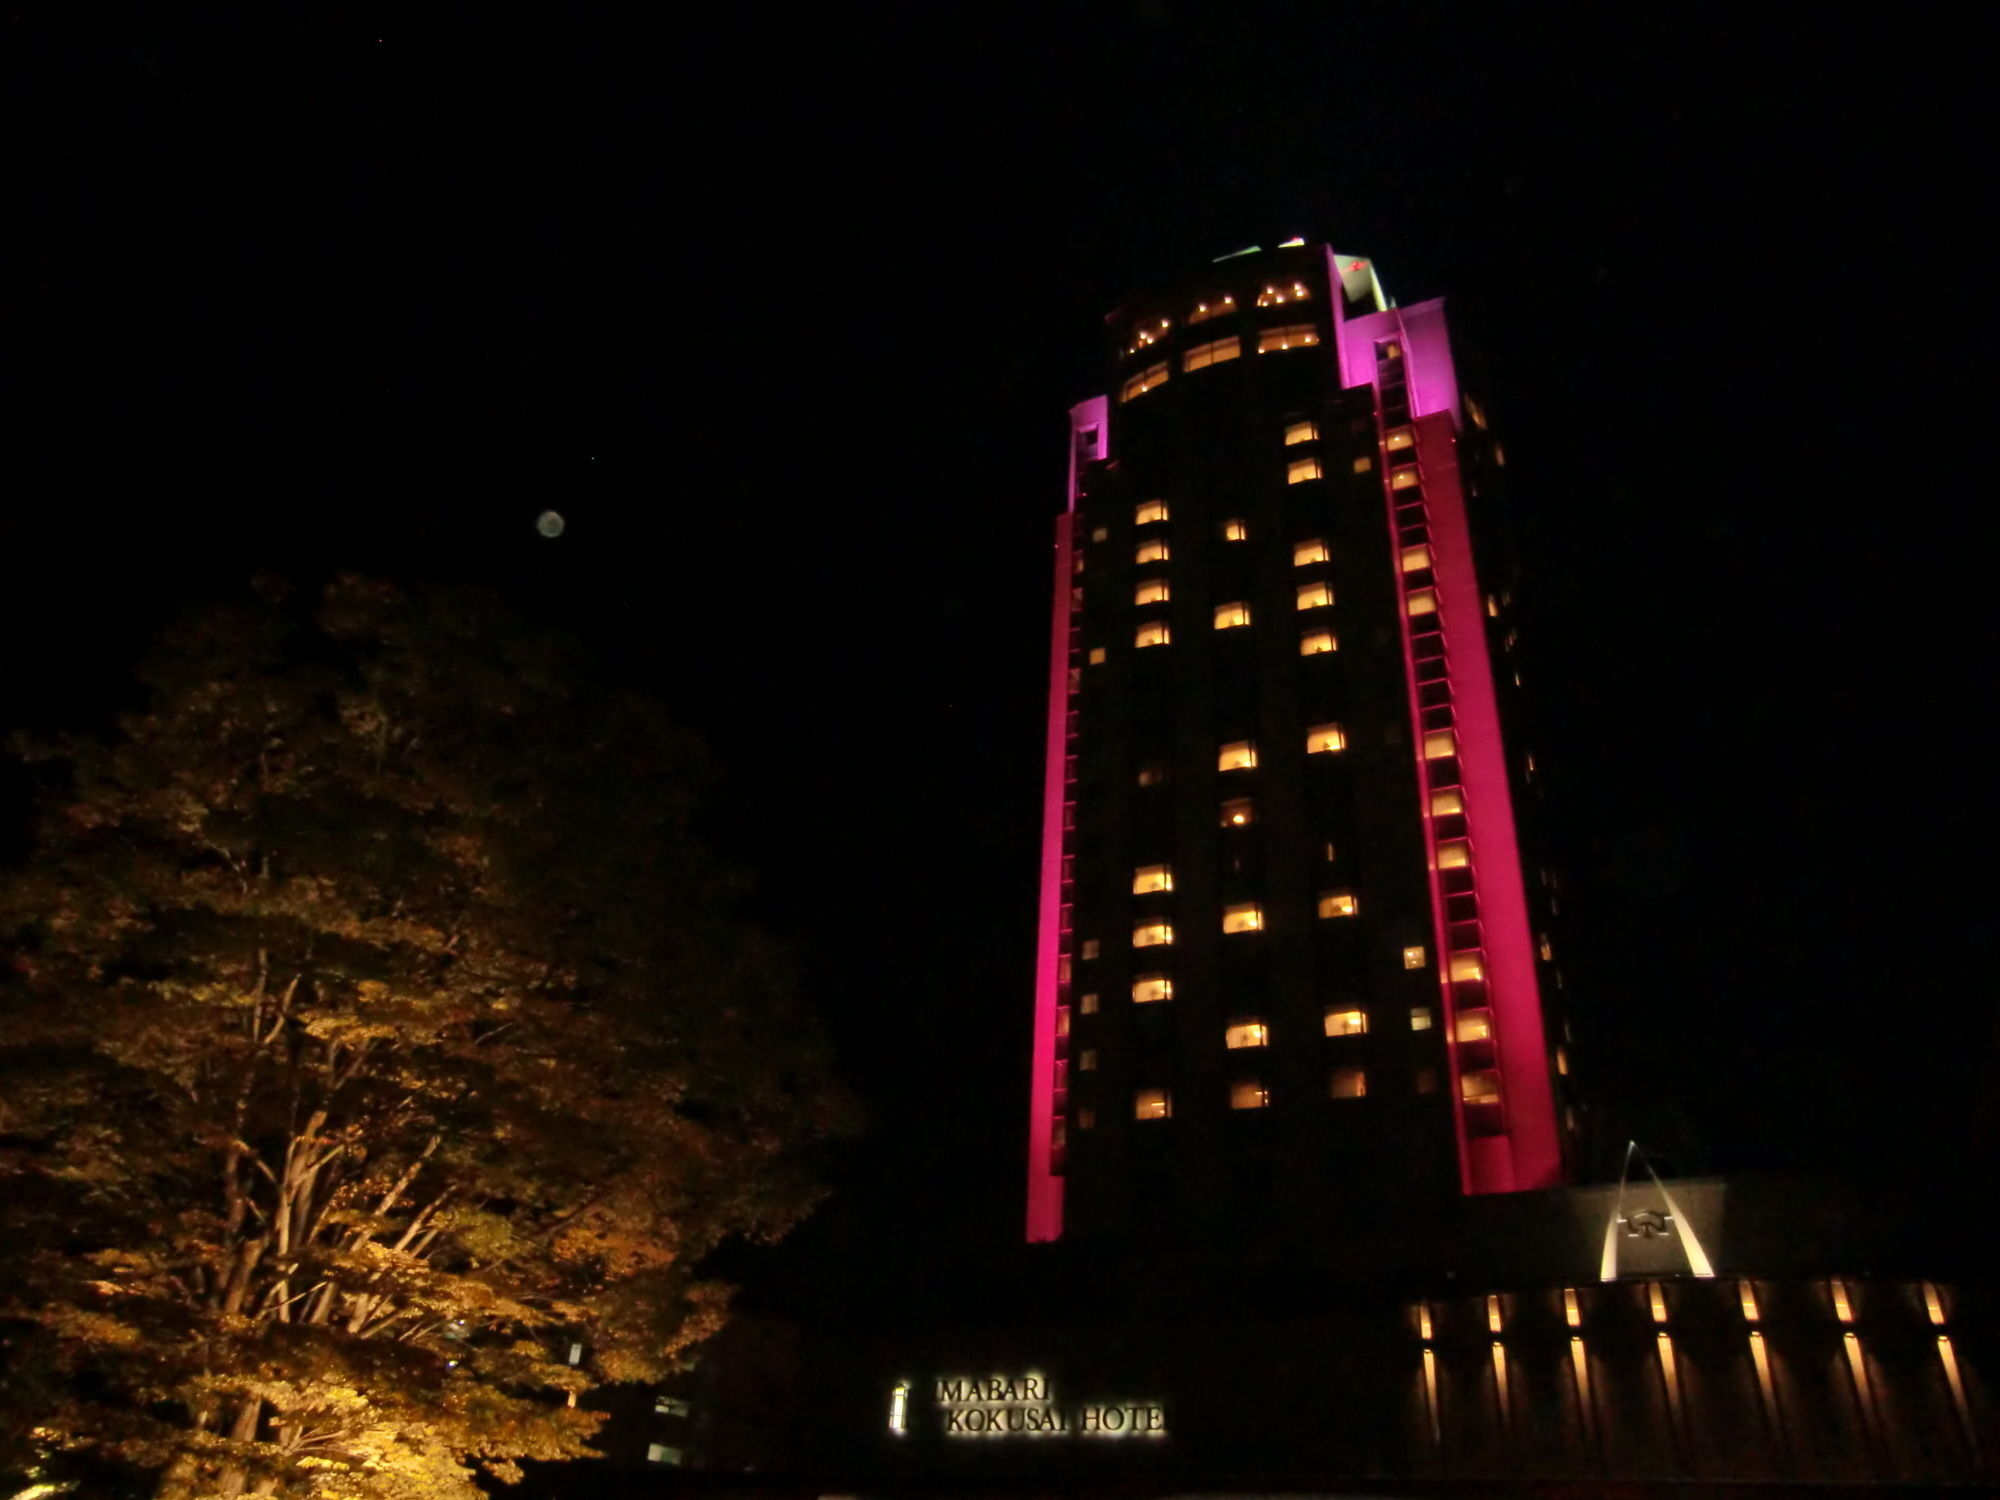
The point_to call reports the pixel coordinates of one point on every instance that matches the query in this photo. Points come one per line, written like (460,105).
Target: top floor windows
(1144,381)
(1146,335)
(1301,432)
(1203,355)
(1203,311)
(1291,336)
(1149,511)
(1149,878)
(1279,292)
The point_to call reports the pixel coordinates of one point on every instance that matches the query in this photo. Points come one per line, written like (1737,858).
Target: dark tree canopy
(375,1029)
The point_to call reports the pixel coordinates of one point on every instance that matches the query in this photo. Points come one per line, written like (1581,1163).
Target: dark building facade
(1291,970)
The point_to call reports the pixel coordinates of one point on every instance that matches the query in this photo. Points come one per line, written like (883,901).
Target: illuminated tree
(376,1033)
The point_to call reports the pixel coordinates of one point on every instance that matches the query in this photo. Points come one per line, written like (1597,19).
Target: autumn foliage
(374,1031)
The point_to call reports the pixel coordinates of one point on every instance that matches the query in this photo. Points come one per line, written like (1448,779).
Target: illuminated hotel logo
(1003,1406)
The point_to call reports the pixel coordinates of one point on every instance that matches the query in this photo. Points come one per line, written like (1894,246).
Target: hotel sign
(1025,1406)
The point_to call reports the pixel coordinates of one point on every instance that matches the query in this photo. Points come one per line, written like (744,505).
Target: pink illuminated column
(1089,438)
(1502,1095)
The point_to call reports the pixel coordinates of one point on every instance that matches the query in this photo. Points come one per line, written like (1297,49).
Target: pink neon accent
(1528,1155)
(1045,1184)
(1535,1157)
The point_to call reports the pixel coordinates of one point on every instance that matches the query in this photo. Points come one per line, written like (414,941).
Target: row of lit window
(1232,616)
(1243,916)
(1158,1104)
(1157,550)
(1237,612)
(1290,336)
(1152,989)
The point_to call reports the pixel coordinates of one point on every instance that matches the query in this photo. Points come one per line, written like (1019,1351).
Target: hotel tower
(1293,970)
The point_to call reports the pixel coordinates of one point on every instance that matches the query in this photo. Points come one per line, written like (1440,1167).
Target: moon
(550,523)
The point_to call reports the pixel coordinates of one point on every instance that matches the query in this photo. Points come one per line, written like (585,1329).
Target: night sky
(784,316)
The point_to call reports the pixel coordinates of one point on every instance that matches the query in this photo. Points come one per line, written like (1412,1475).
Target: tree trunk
(232,1481)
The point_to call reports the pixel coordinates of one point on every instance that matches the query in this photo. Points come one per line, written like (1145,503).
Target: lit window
(1454,854)
(1291,336)
(1230,616)
(1481,1086)
(1473,1026)
(1152,591)
(1322,738)
(1312,551)
(1101,534)
(1246,1034)
(1446,802)
(1363,464)
(1238,756)
(1091,947)
(1150,552)
(1544,947)
(1238,811)
(1281,291)
(1403,478)
(1467,967)
(1346,1023)
(671,1406)
(1206,310)
(1152,878)
(1144,381)
(1300,470)
(1203,355)
(1246,916)
(1097,656)
(1423,602)
(1414,958)
(1399,439)
(1389,350)
(1235,531)
(1492,607)
(1247,1094)
(1416,559)
(1317,643)
(1562,1061)
(1439,744)
(1087,1004)
(1086,1060)
(1420,1018)
(1347,1083)
(1499,457)
(1473,410)
(1152,934)
(1152,1104)
(662,1453)
(1300,432)
(1150,987)
(1153,773)
(1148,512)
(1086,1118)
(1338,904)
(1315,595)
(1152,633)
